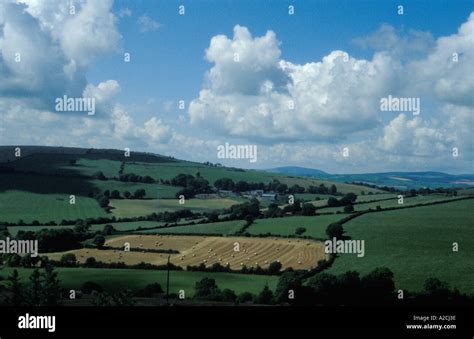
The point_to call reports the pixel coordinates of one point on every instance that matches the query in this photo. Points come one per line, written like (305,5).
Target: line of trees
(276,186)
(43,289)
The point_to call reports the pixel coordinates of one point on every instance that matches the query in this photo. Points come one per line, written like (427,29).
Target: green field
(372,197)
(315,226)
(28,207)
(341,187)
(89,167)
(225,227)
(467,191)
(421,199)
(132,208)
(120,279)
(312,197)
(416,244)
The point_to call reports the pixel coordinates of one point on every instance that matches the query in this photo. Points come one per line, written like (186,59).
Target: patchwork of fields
(414,243)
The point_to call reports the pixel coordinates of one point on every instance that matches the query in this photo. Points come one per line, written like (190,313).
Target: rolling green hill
(416,244)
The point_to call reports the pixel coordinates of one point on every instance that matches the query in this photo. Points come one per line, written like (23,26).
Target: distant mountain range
(401,180)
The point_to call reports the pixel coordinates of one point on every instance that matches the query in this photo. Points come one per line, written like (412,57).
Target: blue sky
(169,63)
(298,58)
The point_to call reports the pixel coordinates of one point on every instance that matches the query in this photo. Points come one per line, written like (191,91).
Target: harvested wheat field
(194,250)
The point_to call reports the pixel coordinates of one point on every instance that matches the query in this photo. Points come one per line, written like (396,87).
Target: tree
(282,188)
(224,184)
(274,267)
(378,284)
(308,209)
(139,193)
(333,189)
(265,297)
(13,260)
(229,295)
(349,198)
(335,230)
(89,286)
(149,290)
(99,241)
(325,288)
(90,262)
(68,260)
(108,230)
(333,202)
(99,175)
(213,217)
(81,226)
(349,287)
(241,186)
(50,287)
(103,201)
(300,230)
(206,288)
(349,208)
(15,288)
(436,287)
(115,194)
(287,281)
(127,194)
(245,297)
(35,288)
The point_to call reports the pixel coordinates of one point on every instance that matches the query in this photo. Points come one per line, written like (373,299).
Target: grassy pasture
(114,280)
(341,187)
(421,199)
(467,191)
(315,226)
(416,244)
(313,197)
(89,167)
(29,206)
(371,197)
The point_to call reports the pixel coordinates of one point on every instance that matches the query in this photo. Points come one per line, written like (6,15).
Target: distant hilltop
(400,180)
(7,153)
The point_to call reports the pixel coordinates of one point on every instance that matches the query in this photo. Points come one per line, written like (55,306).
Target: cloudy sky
(301,87)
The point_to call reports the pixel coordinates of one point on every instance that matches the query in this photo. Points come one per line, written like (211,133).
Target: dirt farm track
(194,250)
